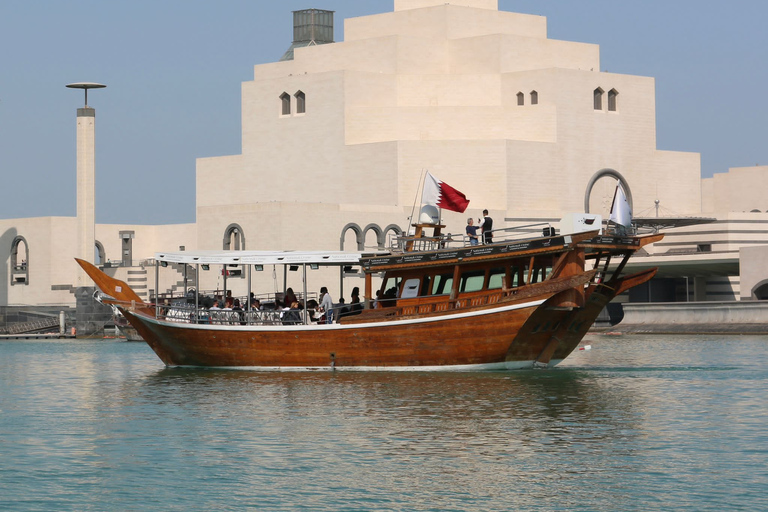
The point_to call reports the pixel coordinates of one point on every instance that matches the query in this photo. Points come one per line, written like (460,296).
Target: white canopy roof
(260,257)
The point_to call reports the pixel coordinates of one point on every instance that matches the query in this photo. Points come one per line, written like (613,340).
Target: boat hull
(478,339)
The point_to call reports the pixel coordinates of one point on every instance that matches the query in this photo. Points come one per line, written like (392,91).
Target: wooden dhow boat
(514,304)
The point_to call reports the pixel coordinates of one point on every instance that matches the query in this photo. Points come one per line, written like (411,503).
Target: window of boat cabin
(391,285)
(472,281)
(519,272)
(540,272)
(442,284)
(496,278)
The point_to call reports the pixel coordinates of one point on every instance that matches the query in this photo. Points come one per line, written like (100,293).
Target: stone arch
(394,228)
(234,238)
(19,262)
(760,290)
(601,174)
(358,236)
(100,253)
(379,234)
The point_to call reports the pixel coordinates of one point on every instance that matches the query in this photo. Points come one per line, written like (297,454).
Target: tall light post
(86,181)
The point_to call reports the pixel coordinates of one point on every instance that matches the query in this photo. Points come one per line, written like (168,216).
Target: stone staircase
(45,324)
(138,281)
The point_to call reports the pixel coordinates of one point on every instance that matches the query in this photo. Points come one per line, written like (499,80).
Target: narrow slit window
(612,99)
(599,99)
(285,101)
(534,98)
(301,103)
(520,99)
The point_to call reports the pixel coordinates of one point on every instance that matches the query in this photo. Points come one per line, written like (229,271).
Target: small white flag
(621,213)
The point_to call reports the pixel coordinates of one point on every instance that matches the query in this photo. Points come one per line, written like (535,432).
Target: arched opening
(352,235)
(234,238)
(534,98)
(598,98)
(99,256)
(392,228)
(604,195)
(613,95)
(520,99)
(301,103)
(378,240)
(285,104)
(19,261)
(760,291)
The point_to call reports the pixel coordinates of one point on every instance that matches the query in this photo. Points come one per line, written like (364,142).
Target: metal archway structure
(602,174)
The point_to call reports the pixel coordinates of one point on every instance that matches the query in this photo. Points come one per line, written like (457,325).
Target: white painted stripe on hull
(507,365)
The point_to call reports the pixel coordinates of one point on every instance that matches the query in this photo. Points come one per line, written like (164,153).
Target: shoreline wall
(746,317)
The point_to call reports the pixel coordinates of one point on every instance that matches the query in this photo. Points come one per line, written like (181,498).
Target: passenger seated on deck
(226,314)
(313,309)
(389,298)
(214,312)
(289,297)
(238,312)
(342,308)
(293,315)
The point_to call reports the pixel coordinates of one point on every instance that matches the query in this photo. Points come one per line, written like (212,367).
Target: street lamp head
(85,86)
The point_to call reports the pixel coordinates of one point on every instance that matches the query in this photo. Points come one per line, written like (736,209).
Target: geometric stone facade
(335,141)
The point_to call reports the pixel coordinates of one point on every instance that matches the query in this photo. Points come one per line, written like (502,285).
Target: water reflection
(100,427)
(421,413)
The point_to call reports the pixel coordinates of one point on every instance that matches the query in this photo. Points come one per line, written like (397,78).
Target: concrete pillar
(86,190)
(699,289)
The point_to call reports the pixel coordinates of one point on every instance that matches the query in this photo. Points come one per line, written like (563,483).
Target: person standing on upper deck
(326,303)
(472,232)
(486,224)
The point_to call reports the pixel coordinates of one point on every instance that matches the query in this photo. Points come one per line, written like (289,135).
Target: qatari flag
(443,195)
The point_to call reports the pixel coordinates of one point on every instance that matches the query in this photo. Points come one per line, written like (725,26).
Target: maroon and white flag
(443,195)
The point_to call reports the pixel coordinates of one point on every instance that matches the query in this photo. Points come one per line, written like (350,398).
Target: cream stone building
(336,136)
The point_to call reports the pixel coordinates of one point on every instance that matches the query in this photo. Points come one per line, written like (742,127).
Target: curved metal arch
(379,234)
(227,244)
(601,174)
(358,236)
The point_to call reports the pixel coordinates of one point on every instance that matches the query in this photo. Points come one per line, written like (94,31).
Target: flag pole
(418,187)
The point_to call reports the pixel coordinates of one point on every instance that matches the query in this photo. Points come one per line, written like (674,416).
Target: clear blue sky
(174,68)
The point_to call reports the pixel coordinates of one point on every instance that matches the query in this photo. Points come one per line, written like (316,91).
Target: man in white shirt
(327,304)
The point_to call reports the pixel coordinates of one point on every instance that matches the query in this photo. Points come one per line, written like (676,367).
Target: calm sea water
(637,423)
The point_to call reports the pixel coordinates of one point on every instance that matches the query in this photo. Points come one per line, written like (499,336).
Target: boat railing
(415,307)
(182,312)
(399,243)
(206,298)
